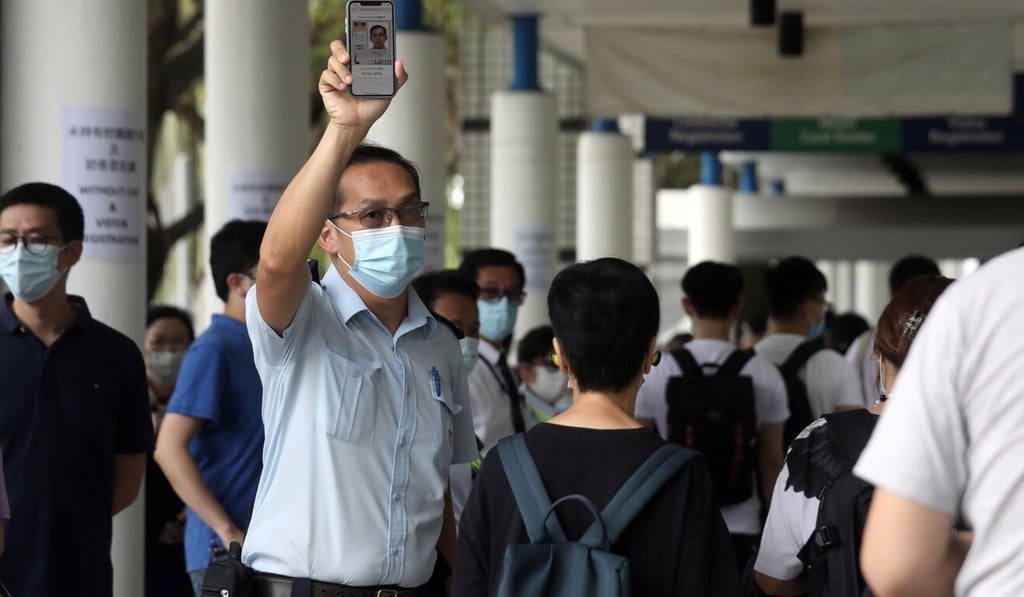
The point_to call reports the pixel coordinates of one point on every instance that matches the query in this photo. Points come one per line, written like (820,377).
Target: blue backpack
(550,565)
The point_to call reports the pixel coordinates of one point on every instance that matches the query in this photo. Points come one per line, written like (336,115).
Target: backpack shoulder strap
(634,494)
(686,362)
(528,490)
(736,362)
(853,429)
(800,355)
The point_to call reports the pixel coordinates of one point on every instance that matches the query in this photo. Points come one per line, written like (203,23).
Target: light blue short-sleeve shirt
(361,428)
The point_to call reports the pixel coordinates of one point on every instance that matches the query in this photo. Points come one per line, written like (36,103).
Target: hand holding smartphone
(370,40)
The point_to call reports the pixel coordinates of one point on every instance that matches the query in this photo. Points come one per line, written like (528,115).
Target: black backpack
(796,392)
(831,554)
(714,414)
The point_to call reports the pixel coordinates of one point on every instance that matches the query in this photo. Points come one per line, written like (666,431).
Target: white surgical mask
(164,366)
(551,385)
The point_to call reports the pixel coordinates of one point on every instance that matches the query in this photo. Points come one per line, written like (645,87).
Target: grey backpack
(551,565)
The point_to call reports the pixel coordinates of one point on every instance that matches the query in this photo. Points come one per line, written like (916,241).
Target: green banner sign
(877,135)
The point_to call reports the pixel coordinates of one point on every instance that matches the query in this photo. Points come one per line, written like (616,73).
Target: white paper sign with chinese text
(103,164)
(252,194)
(534,247)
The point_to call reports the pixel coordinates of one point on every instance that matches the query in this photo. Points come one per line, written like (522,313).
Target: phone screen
(371,43)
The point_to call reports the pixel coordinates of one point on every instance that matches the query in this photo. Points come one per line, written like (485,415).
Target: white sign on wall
(534,247)
(103,164)
(253,194)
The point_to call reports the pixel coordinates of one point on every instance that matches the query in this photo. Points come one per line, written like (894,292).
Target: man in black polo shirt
(74,412)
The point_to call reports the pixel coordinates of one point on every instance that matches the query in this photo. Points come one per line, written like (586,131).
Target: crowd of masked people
(365,428)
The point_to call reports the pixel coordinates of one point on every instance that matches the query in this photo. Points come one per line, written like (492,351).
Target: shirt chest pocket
(347,409)
(444,422)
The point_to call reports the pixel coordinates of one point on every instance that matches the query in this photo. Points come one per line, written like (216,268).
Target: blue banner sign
(706,134)
(970,134)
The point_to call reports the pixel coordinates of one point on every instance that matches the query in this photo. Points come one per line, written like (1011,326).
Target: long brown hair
(904,314)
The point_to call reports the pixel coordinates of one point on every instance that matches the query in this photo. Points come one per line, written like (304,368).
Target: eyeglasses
(35,243)
(168,344)
(491,293)
(409,214)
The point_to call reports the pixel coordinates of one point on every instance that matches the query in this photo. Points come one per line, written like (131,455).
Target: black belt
(272,585)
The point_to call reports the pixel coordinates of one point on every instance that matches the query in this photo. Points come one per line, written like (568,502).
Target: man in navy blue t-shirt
(74,406)
(211,440)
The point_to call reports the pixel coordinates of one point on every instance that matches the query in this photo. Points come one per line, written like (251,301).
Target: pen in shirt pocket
(435,379)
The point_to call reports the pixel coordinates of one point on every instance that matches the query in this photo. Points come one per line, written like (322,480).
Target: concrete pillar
(73,113)
(951,268)
(524,136)
(842,291)
(710,229)
(871,288)
(257,114)
(828,268)
(604,182)
(183,257)
(414,124)
(644,230)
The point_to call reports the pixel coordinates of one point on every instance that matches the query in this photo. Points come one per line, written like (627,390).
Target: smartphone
(370,39)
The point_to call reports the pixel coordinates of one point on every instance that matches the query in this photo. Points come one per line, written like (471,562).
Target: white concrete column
(842,293)
(184,194)
(951,268)
(414,126)
(644,229)
(710,230)
(524,135)
(257,114)
(828,269)
(73,76)
(604,206)
(871,288)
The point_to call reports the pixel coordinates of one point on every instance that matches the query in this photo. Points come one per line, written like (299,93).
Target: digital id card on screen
(371,43)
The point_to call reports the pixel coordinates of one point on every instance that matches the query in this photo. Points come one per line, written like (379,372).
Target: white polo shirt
(361,428)
(831,382)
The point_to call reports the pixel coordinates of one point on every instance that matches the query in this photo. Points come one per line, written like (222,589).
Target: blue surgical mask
(470,352)
(30,277)
(386,259)
(497,318)
(817,329)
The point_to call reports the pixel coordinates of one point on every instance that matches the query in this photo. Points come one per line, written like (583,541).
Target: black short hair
(911,266)
(70,219)
(791,283)
(843,329)
(605,316)
(235,249)
(368,153)
(430,286)
(381,27)
(481,258)
(167,311)
(713,288)
(535,344)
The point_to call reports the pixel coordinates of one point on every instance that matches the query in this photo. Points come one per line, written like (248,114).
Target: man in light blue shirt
(363,408)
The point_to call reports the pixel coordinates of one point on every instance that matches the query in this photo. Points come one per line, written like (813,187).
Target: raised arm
(282,277)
